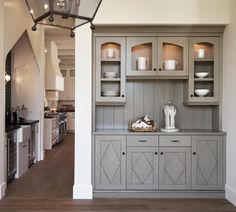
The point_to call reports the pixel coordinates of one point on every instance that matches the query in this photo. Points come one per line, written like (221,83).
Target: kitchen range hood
(54,81)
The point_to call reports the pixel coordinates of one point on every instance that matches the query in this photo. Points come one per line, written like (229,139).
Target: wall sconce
(7,77)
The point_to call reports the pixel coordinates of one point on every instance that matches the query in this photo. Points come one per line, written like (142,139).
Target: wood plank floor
(117,205)
(51,190)
(50,178)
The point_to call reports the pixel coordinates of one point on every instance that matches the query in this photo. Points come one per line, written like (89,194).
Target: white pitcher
(142,63)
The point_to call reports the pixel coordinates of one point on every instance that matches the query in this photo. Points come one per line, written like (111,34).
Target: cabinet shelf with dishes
(202,86)
(110,73)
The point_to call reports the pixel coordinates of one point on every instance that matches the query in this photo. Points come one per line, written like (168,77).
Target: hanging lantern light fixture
(67,14)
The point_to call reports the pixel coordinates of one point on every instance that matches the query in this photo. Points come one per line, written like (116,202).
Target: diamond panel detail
(206,168)
(142,168)
(110,162)
(174,168)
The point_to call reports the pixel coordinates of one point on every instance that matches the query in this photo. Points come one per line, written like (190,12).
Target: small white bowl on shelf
(201,74)
(201,92)
(110,74)
(110,93)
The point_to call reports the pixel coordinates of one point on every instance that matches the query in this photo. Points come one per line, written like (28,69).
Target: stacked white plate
(110,93)
(110,74)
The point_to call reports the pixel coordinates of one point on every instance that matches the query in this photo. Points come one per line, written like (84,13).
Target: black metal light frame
(51,12)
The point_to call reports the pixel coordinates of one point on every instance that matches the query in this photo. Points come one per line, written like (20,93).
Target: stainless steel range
(62,125)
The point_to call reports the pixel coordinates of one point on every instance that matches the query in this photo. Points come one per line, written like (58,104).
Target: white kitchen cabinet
(69,85)
(71,121)
(23,138)
(51,132)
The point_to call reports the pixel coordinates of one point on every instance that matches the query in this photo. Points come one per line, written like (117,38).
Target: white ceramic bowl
(110,93)
(110,75)
(201,92)
(201,74)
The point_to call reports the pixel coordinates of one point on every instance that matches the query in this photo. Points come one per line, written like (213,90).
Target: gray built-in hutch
(187,163)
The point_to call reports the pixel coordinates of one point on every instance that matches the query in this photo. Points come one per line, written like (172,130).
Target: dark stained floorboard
(50,178)
(117,205)
(47,186)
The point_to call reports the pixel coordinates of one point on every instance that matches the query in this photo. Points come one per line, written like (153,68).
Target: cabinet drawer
(142,140)
(175,140)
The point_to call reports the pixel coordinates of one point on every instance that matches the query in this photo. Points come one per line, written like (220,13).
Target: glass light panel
(87,8)
(38,7)
(60,22)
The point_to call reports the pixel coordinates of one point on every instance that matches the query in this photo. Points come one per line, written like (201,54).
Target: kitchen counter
(12,127)
(26,122)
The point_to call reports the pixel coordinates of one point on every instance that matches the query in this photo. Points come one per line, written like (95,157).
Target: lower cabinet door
(174,168)
(23,158)
(207,163)
(142,168)
(110,162)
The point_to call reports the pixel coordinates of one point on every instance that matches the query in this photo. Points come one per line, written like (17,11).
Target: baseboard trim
(230,194)
(2,190)
(159,194)
(82,192)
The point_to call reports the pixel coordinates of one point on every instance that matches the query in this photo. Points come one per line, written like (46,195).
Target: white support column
(83,109)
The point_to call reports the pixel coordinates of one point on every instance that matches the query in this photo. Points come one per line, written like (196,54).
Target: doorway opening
(51,174)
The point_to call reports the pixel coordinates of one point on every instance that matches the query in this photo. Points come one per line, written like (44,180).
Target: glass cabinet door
(204,69)
(141,56)
(110,70)
(173,56)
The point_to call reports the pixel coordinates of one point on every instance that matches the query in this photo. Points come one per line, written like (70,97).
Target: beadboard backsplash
(147,97)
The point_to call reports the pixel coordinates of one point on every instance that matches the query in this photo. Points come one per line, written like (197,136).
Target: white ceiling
(66,45)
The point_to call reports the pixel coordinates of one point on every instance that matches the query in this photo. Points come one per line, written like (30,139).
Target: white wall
(25,80)
(229,102)
(2,101)
(128,12)
(163,12)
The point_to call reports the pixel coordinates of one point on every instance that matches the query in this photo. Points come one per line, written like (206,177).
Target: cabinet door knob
(155,153)
(123,95)
(123,153)
(162,153)
(191,95)
(154,69)
(194,153)
(159,69)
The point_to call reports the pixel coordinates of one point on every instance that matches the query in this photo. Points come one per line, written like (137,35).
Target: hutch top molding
(159,30)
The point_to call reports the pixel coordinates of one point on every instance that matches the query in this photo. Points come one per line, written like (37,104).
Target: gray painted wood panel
(207,163)
(147,97)
(142,170)
(110,162)
(175,168)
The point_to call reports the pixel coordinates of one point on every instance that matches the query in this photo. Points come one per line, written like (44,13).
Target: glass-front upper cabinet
(203,70)
(110,70)
(141,56)
(173,56)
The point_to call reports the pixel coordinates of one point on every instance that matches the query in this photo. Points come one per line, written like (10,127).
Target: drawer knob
(174,141)
(123,153)
(194,153)
(155,153)
(159,69)
(162,153)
